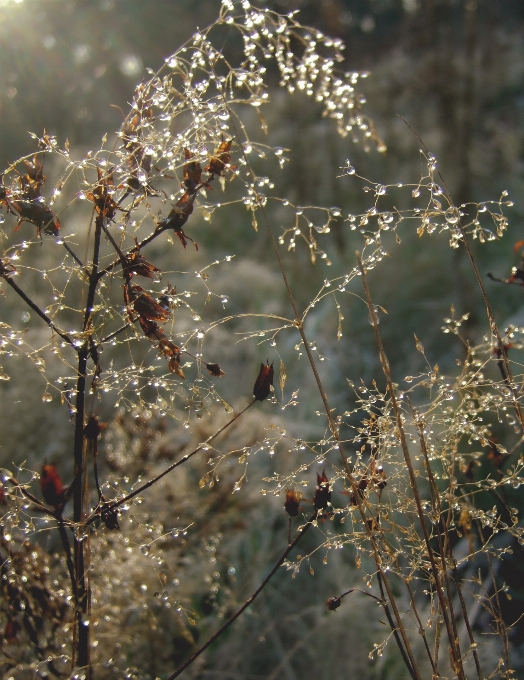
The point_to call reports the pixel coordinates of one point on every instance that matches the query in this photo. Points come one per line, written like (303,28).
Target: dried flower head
(292,502)
(334,603)
(322,492)
(264,382)
(52,488)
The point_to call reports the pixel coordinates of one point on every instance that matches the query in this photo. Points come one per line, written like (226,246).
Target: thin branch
(489,312)
(445,603)
(73,254)
(184,459)
(249,601)
(444,541)
(37,309)
(67,550)
(114,333)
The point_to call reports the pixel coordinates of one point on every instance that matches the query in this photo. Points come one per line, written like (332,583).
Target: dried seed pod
(334,603)
(109,517)
(52,488)
(94,428)
(136,264)
(264,382)
(322,492)
(292,502)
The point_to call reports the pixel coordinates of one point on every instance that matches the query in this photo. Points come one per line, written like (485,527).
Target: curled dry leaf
(27,202)
(102,195)
(174,366)
(222,157)
(178,217)
(163,344)
(136,264)
(192,172)
(144,305)
(215,370)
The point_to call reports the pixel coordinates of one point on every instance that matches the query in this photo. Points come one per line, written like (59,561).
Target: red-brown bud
(264,382)
(52,488)
(292,502)
(322,492)
(334,603)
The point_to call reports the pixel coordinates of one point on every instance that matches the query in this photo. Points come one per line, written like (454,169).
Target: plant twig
(445,603)
(37,309)
(184,459)
(249,601)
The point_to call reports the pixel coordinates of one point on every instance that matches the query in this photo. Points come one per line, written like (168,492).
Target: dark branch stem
(82,658)
(446,604)
(405,657)
(67,550)
(114,333)
(37,309)
(249,601)
(184,459)
(73,255)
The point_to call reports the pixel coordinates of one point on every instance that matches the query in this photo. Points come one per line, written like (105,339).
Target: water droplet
(25,316)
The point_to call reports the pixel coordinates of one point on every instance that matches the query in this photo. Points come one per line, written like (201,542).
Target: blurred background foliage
(454,70)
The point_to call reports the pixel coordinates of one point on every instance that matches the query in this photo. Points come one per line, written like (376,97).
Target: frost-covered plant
(415,481)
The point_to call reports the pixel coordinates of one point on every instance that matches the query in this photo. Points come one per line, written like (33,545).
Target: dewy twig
(115,504)
(249,601)
(446,603)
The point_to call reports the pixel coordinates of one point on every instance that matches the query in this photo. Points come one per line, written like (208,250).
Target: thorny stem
(249,601)
(450,625)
